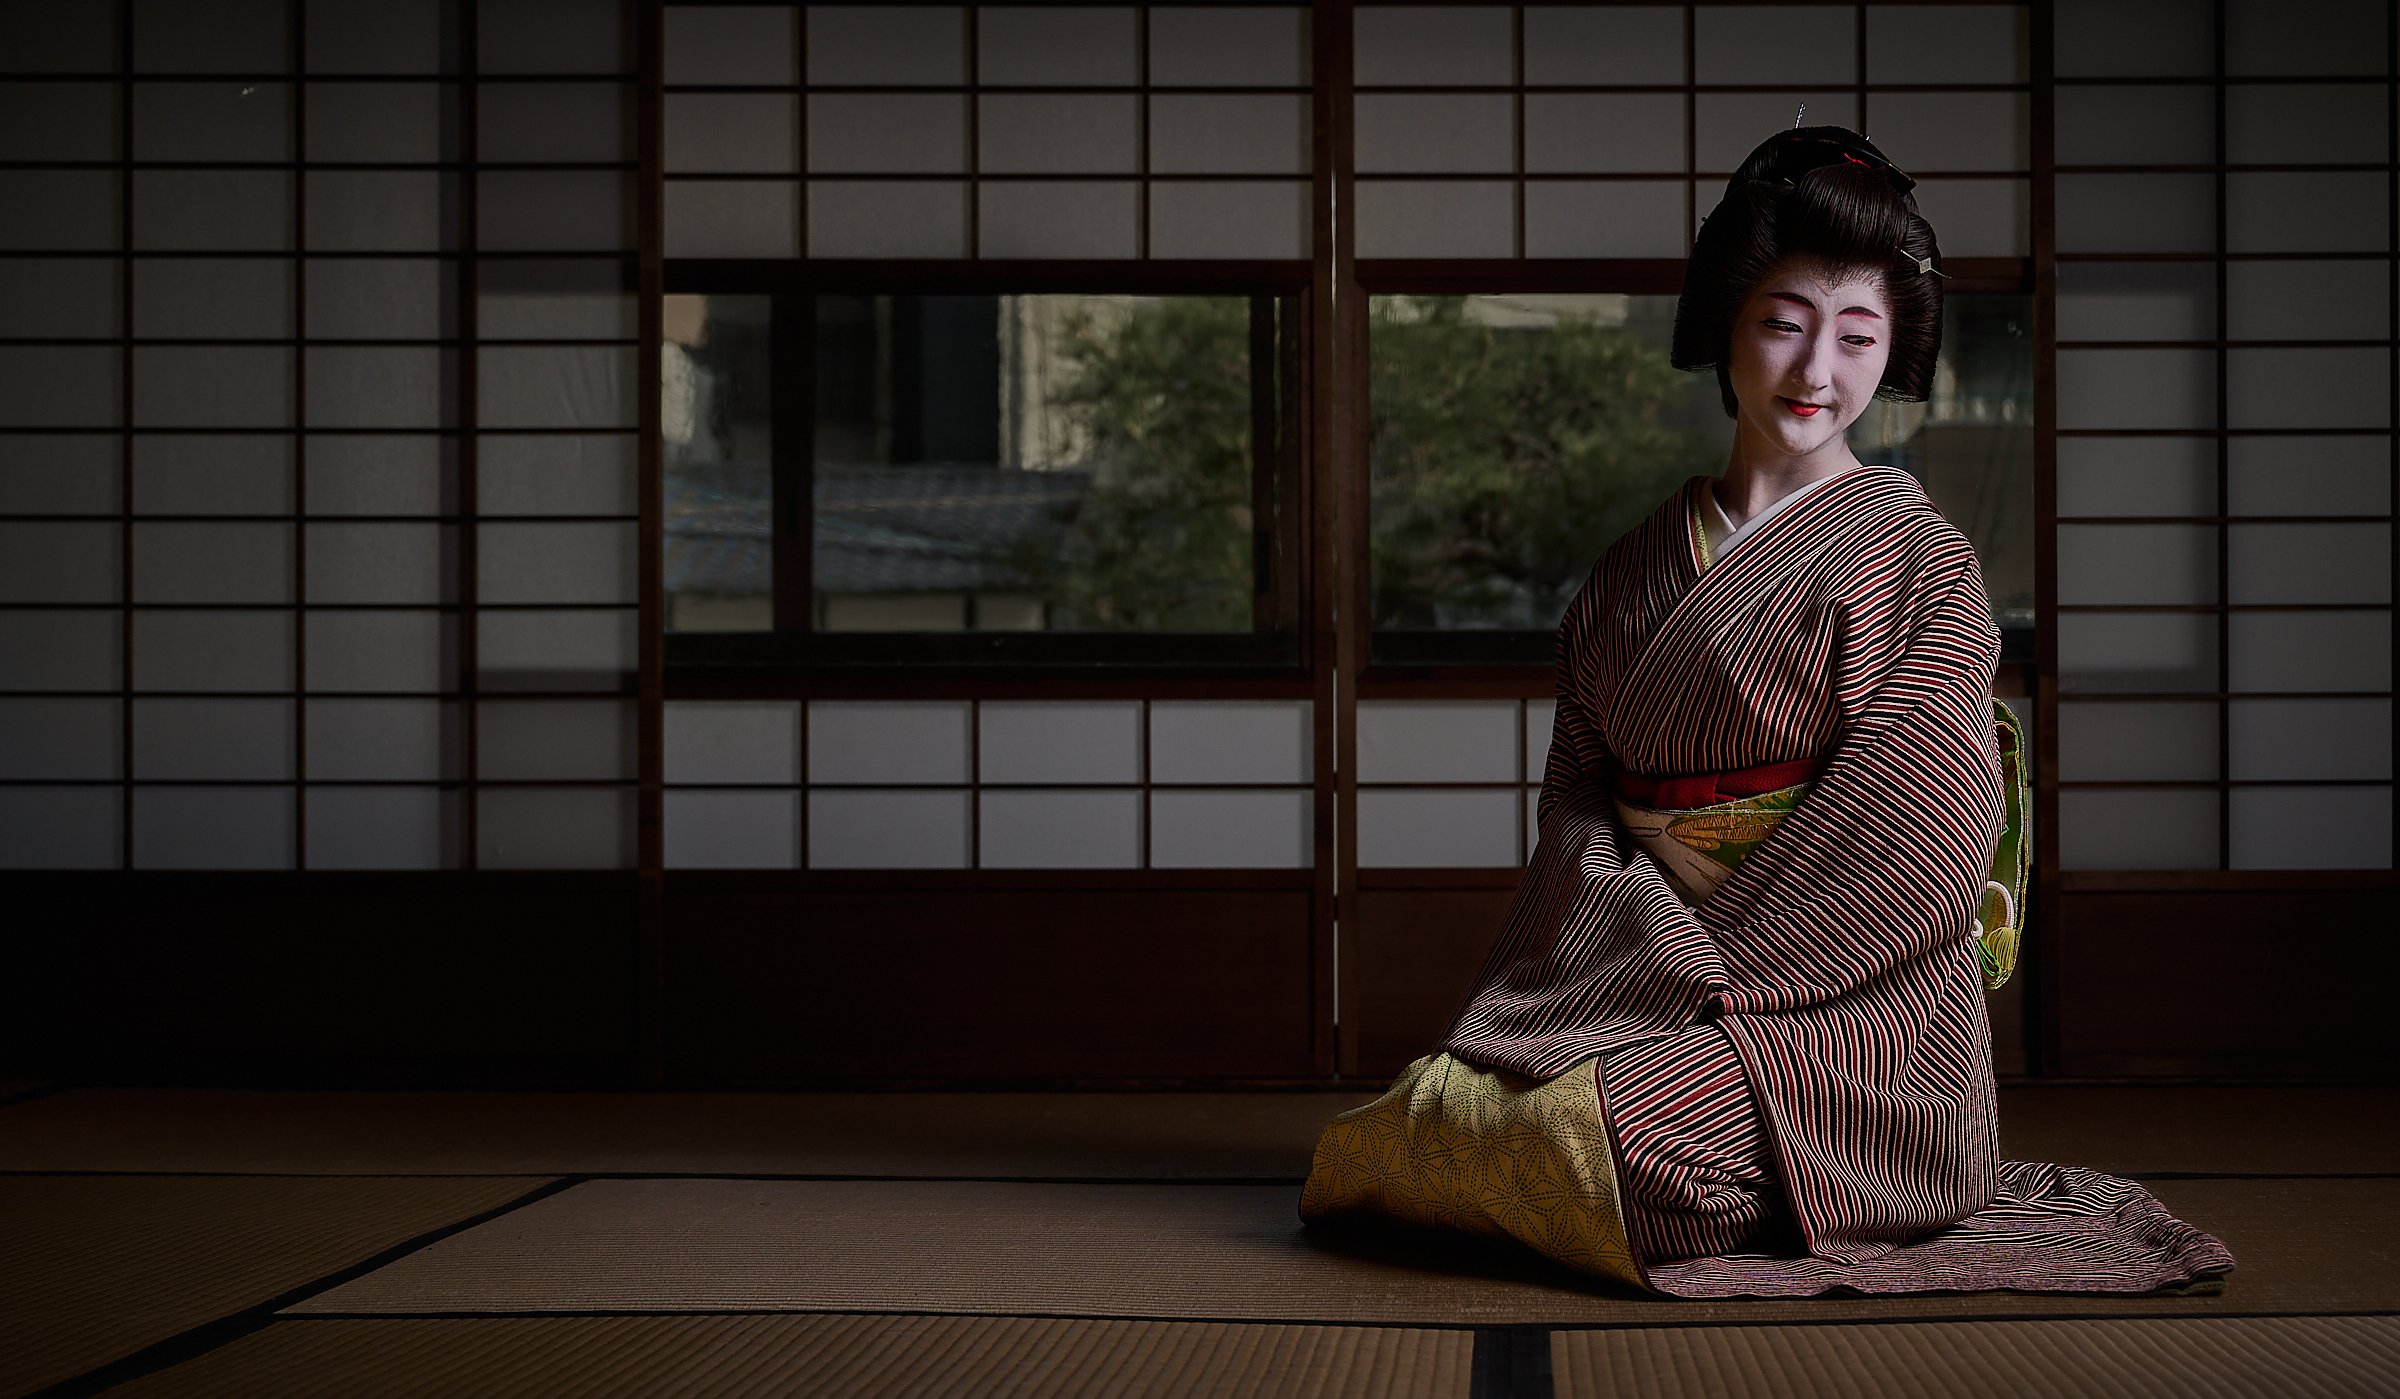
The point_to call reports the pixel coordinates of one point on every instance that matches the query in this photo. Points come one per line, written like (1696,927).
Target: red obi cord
(1710,788)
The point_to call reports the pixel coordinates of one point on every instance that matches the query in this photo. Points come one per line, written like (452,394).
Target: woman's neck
(1745,489)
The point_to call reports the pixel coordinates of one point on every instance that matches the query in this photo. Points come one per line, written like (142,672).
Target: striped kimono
(1796,1074)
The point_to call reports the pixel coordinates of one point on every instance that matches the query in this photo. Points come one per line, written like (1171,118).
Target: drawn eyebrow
(1804,301)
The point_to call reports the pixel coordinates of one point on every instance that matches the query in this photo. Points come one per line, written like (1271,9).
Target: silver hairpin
(1797,115)
(1924,264)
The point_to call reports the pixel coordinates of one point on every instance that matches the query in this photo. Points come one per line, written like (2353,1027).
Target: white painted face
(1809,335)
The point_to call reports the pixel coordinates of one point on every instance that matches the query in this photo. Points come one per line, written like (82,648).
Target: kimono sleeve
(1581,768)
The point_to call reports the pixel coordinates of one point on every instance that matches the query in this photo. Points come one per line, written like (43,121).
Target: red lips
(1808,410)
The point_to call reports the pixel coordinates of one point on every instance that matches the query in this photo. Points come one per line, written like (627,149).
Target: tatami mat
(907,1357)
(1220,1252)
(2292,1357)
(94,1268)
(2124,1129)
(1173,1135)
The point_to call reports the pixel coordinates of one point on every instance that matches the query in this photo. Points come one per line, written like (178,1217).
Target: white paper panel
(60,739)
(213,650)
(2312,828)
(2316,651)
(2133,38)
(1055,46)
(558,474)
(1954,130)
(2136,388)
(1979,218)
(1539,716)
(1435,218)
(59,386)
(1434,45)
(1603,131)
(2309,563)
(2305,124)
(887,830)
(2319,299)
(379,36)
(887,45)
(553,36)
(750,218)
(1058,134)
(184,563)
(218,122)
(381,123)
(1229,741)
(212,739)
(58,209)
(385,475)
(1435,133)
(2306,211)
(1605,218)
(59,36)
(2134,742)
(1229,219)
(1767,43)
(210,36)
(887,133)
(59,828)
(550,740)
(380,211)
(59,650)
(732,830)
(382,298)
(2310,475)
(2119,651)
(211,386)
(554,828)
(1946,43)
(566,210)
(555,563)
(1572,45)
(1228,46)
(2151,124)
(1248,134)
(1061,741)
(1463,828)
(47,297)
(1729,125)
(749,131)
(887,741)
(2341,36)
(2283,739)
(2137,301)
(556,649)
(573,386)
(1437,741)
(570,299)
(554,123)
(1061,830)
(2315,388)
(229,828)
(385,828)
(2137,475)
(2136,213)
(212,298)
(58,474)
(849,218)
(733,741)
(374,386)
(59,562)
(380,652)
(2136,564)
(212,210)
(385,740)
(382,563)
(750,45)
(2137,830)
(1058,219)
(1230,830)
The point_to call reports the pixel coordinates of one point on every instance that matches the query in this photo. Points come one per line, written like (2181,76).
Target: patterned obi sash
(1699,828)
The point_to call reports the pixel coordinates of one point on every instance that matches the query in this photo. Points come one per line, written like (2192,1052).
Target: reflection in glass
(719,482)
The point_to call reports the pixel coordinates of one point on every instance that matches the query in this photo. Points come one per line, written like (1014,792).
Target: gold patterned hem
(1485,1152)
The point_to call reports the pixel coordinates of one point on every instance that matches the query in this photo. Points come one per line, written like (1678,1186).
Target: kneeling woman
(1731,1037)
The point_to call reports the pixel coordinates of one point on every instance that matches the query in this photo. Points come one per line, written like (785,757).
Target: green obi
(1697,848)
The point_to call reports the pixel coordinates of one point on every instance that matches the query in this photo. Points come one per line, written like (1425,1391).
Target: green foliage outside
(1504,461)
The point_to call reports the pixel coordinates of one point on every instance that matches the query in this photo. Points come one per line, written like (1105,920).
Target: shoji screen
(318,458)
(2225,422)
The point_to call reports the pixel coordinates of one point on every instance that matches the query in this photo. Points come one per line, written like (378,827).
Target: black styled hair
(1825,193)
